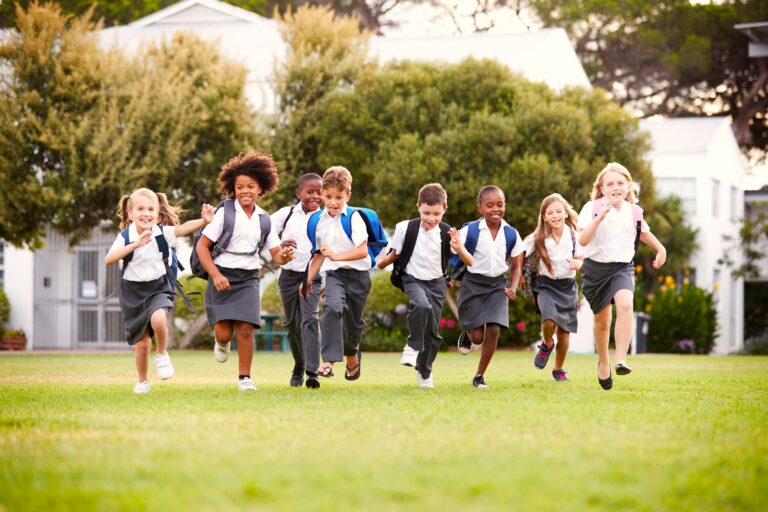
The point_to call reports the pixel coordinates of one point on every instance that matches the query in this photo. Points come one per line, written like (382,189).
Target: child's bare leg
(602,333)
(622,332)
(548,330)
(158,322)
(244,347)
(477,335)
(222,331)
(563,340)
(141,352)
(489,347)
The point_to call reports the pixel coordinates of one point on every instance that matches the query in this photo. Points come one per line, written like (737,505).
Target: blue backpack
(473,233)
(170,260)
(377,238)
(220,246)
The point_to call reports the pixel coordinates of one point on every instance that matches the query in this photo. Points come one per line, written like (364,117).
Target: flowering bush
(5,310)
(15,333)
(683,319)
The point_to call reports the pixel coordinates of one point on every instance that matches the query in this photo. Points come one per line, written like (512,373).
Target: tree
(80,126)
(671,57)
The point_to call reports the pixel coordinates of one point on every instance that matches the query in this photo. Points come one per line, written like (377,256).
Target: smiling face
(431,215)
(492,206)
(554,216)
(143,212)
(310,194)
(247,190)
(335,199)
(614,187)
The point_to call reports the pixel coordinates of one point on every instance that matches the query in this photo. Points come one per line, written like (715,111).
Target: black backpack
(409,242)
(265,223)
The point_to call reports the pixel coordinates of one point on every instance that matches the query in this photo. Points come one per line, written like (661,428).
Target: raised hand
(207,213)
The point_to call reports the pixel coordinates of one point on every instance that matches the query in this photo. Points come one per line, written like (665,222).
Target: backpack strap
(510,235)
(445,246)
(285,222)
(169,259)
(597,205)
(409,242)
(473,233)
(265,225)
(637,217)
(312,228)
(573,242)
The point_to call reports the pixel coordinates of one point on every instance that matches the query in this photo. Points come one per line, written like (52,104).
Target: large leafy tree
(79,126)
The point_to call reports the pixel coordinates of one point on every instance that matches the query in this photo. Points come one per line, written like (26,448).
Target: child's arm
(193,225)
(360,252)
(650,240)
(115,255)
(588,233)
(220,282)
(459,248)
(314,267)
(282,254)
(388,259)
(516,265)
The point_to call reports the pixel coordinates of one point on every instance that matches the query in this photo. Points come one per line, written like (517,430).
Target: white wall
(19,287)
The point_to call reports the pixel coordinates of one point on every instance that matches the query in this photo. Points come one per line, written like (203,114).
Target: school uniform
(608,265)
(481,298)
(557,296)
(425,286)
(301,314)
(145,286)
(240,302)
(347,285)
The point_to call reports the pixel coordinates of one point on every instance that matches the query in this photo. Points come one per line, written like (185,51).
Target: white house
(699,160)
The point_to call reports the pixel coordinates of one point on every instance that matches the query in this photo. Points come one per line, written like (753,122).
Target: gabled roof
(197,11)
(683,134)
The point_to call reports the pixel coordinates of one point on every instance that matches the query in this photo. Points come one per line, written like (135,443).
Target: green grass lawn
(679,433)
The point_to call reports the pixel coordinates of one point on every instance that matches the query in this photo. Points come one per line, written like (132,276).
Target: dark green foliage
(5,311)
(683,320)
(755,309)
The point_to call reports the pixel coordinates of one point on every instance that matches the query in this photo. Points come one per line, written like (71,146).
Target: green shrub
(195,290)
(271,302)
(683,320)
(756,347)
(5,311)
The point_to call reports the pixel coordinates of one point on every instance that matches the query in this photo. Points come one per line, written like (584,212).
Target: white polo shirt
(147,263)
(330,232)
(245,238)
(490,255)
(295,229)
(560,254)
(425,262)
(614,241)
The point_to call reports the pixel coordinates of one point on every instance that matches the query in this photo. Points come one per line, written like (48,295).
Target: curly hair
(258,166)
(432,194)
(337,177)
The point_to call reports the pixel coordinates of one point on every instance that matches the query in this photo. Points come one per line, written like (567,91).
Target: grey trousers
(346,291)
(425,306)
(301,320)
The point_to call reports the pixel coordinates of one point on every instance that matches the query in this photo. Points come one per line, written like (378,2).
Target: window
(715,198)
(735,208)
(684,188)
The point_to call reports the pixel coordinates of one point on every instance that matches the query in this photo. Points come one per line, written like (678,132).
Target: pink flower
(451,323)
(520,326)
(443,322)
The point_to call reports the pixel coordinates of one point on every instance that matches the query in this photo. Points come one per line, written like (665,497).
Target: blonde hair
(541,232)
(597,192)
(167,215)
(337,177)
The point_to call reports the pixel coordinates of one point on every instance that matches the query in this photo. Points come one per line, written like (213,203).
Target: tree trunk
(197,325)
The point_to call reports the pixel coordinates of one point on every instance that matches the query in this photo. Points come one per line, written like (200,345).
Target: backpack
(473,232)
(170,260)
(285,222)
(637,216)
(409,242)
(220,246)
(377,238)
(530,268)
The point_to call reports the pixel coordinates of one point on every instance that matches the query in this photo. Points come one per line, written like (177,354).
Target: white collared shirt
(614,240)
(425,262)
(245,238)
(147,263)
(330,232)
(490,254)
(294,229)
(560,254)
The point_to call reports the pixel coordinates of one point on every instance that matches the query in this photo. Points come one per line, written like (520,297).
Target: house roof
(682,134)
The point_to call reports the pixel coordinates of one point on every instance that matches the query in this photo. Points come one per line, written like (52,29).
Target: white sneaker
(142,388)
(246,384)
(164,366)
(221,351)
(424,383)
(409,356)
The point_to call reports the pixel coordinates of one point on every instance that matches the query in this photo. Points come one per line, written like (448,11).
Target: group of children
(332,246)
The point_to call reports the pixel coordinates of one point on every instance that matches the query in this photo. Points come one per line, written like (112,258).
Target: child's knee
(158,319)
(143,346)
(548,324)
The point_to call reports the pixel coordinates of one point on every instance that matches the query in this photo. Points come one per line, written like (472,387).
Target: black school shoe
(297,378)
(479,382)
(606,384)
(559,376)
(312,381)
(622,369)
(541,358)
(464,343)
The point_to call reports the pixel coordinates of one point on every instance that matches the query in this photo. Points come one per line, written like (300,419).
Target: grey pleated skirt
(482,301)
(138,300)
(601,281)
(240,303)
(557,300)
